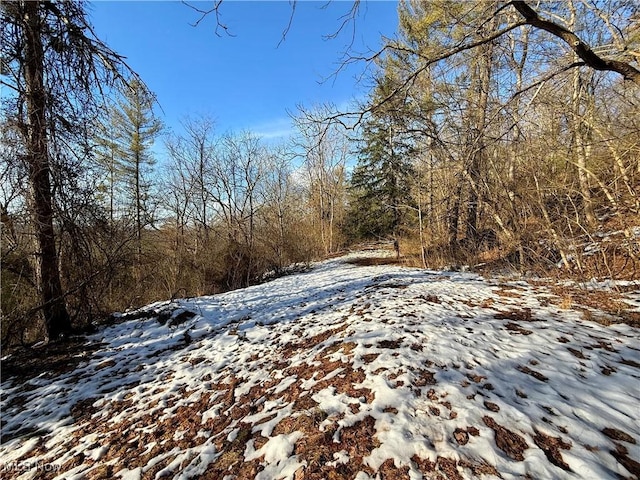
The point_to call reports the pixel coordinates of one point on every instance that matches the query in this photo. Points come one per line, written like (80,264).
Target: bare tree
(54,67)
(193,154)
(237,179)
(324,148)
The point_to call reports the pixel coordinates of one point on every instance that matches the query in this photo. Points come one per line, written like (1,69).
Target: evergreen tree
(134,128)
(379,183)
(53,70)
(109,163)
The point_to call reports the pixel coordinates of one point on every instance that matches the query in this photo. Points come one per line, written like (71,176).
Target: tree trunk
(138,214)
(423,253)
(580,105)
(482,80)
(453,216)
(582,150)
(112,191)
(202,186)
(48,275)
(280,250)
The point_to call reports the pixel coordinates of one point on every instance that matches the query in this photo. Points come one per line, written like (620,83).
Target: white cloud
(279,128)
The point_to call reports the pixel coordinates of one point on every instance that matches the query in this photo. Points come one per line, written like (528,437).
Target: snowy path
(341,372)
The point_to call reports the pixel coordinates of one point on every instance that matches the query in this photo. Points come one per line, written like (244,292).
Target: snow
(426,369)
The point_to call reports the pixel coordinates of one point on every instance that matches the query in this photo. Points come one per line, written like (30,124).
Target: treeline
(214,212)
(489,138)
(94,220)
(493,133)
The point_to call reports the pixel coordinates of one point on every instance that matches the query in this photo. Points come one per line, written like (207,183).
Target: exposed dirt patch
(449,468)
(533,373)
(307,344)
(53,359)
(317,447)
(392,344)
(343,382)
(430,298)
(516,329)
(461,436)
(508,292)
(83,410)
(631,363)
(619,435)
(423,465)
(389,471)
(608,370)
(306,423)
(509,442)
(487,303)
(171,318)
(577,353)
(304,403)
(601,344)
(551,447)
(345,347)
(522,315)
(480,468)
(474,377)
(424,378)
(491,406)
(369,357)
(231,461)
(621,454)
(101,472)
(360,439)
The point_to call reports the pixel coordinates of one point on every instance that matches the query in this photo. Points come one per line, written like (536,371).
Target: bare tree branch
(548,77)
(205,13)
(581,49)
(411,79)
(285,32)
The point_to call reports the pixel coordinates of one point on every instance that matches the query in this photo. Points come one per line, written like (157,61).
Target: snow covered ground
(345,371)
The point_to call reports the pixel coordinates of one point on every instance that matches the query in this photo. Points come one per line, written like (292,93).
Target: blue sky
(245,81)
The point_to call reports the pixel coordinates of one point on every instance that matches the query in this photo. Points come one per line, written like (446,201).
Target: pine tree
(135,127)
(109,162)
(379,183)
(54,69)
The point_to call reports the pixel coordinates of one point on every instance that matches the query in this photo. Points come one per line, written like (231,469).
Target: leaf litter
(357,369)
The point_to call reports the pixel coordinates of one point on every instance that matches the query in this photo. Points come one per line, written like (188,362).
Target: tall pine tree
(54,69)
(108,160)
(134,129)
(379,183)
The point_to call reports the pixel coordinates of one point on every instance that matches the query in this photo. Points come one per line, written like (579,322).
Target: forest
(503,135)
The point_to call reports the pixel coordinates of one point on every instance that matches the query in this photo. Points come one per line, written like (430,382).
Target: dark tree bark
(47,272)
(453,216)
(581,49)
